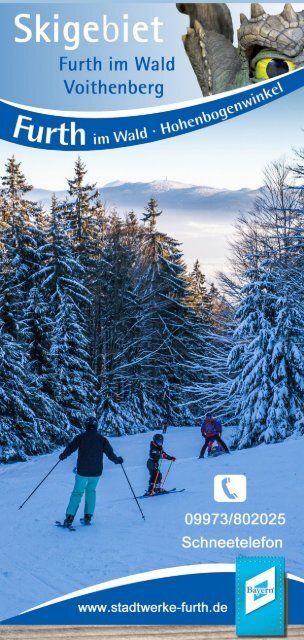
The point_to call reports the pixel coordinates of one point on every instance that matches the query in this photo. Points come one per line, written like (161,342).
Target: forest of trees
(98,314)
(258,367)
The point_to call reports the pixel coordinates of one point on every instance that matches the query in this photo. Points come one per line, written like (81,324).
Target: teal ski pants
(87,485)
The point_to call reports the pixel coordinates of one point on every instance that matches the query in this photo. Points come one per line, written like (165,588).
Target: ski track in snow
(40,561)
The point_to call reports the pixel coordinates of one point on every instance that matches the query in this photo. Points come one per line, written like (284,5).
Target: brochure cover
(151,314)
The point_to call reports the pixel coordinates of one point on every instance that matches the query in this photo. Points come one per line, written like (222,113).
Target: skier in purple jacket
(211,430)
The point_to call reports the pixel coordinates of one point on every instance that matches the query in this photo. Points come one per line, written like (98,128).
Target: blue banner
(64,132)
(193,599)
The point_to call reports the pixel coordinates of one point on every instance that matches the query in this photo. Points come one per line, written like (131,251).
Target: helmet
(91,424)
(158,438)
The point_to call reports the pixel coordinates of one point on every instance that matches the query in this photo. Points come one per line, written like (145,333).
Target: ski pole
(170,465)
(156,478)
(39,485)
(134,496)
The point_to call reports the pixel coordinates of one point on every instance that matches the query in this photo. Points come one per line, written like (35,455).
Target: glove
(62,456)
(173,459)
(119,460)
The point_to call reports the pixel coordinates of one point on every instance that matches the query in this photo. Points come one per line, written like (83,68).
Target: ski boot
(87,518)
(151,491)
(68,521)
(158,489)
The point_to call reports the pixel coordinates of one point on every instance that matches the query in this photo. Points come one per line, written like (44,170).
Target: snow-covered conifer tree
(80,211)
(267,360)
(166,323)
(73,383)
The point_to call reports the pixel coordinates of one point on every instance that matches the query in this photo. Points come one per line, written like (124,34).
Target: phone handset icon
(227,490)
(230,488)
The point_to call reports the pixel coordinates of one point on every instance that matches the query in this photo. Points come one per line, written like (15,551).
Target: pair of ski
(71,527)
(162,493)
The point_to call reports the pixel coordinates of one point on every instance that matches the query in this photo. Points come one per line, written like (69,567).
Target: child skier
(211,430)
(156,454)
(91,446)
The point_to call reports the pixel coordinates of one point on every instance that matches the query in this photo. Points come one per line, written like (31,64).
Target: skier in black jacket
(156,454)
(91,446)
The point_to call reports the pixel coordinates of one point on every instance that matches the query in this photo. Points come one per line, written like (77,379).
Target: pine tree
(96,272)
(199,298)
(250,358)
(267,359)
(151,214)
(85,216)
(14,187)
(118,333)
(27,423)
(166,323)
(18,249)
(81,212)
(18,420)
(210,384)
(72,382)
(286,413)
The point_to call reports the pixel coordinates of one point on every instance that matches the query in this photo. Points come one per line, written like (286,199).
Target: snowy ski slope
(40,561)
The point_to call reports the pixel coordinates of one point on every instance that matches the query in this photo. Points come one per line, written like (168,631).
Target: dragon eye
(272,67)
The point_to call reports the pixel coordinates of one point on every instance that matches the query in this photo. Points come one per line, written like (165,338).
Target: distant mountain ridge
(200,217)
(171,195)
